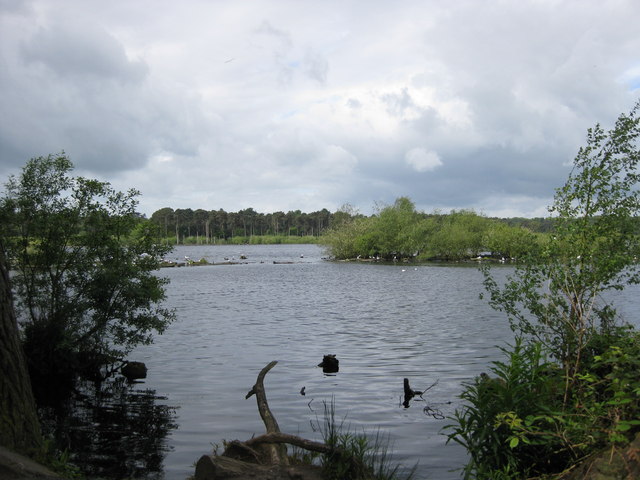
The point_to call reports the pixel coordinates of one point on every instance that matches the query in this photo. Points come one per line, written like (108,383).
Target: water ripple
(384,324)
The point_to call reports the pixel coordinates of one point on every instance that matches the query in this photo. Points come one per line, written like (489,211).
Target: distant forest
(209,226)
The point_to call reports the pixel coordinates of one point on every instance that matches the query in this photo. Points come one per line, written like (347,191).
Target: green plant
(554,295)
(609,387)
(527,421)
(85,285)
(497,422)
(355,456)
(58,461)
(516,423)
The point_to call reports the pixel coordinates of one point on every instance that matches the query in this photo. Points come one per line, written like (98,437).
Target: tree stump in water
(263,457)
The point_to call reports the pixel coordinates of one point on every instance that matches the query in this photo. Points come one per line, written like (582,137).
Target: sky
(302,105)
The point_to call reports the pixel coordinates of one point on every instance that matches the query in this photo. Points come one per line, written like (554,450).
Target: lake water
(383,322)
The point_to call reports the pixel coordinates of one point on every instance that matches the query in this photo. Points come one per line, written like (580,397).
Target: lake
(383,322)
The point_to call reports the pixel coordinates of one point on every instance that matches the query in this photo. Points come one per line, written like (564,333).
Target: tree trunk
(19,426)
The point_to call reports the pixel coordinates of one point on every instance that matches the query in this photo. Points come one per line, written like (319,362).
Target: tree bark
(19,425)
(278,437)
(277,453)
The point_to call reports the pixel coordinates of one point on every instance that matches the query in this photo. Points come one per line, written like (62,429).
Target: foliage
(58,461)
(350,238)
(84,262)
(554,295)
(356,456)
(510,242)
(392,229)
(515,424)
(458,236)
(219,226)
(489,425)
(548,422)
(399,231)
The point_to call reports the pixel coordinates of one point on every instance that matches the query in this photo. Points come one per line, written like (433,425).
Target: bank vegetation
(400,232)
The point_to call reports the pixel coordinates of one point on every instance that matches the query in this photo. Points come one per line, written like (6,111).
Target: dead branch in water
(262,457)
(277,452)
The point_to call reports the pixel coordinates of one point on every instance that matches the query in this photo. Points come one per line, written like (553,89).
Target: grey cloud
(70,50)
(15,6)
(398,103)
(283,37)
(354,103)
(316,66)
(76,90)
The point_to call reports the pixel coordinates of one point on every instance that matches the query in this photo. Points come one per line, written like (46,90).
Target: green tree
(85,286)
(555,295)
(395,229)
(509,242)
(165,219)
(459,235)
(352,237)
(546,416)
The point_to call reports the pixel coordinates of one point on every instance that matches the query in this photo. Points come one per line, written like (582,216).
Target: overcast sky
(285,105)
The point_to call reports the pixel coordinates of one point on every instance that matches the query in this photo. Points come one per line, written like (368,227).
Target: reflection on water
(116,430)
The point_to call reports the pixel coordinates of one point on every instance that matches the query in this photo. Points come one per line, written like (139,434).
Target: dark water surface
(383,322)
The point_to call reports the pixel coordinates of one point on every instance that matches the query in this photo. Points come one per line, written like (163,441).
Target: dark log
(212,467)
(265,457)
(409,393)
(330,364)
(134,371)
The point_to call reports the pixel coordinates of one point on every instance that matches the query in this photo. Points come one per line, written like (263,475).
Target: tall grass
(356,456)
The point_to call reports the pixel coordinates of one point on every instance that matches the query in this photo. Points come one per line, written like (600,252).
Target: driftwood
(264,456)
(277,452)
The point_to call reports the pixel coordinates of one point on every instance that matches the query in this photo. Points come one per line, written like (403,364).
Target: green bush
(518,423)
(500,411)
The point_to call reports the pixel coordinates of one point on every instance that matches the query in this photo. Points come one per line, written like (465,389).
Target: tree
(19,426)
(394,229)
(509,241)
(555,296)
(85,286)
(570,384)
(165,219)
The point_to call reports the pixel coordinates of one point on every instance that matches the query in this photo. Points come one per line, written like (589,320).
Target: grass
(356,456)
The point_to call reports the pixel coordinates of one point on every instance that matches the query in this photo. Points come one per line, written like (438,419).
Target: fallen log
(265,457)
(262,457)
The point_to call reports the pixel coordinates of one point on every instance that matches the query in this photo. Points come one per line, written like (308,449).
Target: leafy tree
(85,286)
(510,242)
(554,296)
(547,416)
(394,228)
(165,219)
(459,235)
(352,237)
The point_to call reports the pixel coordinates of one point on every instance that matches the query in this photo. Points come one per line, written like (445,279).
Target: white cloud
(422,160)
